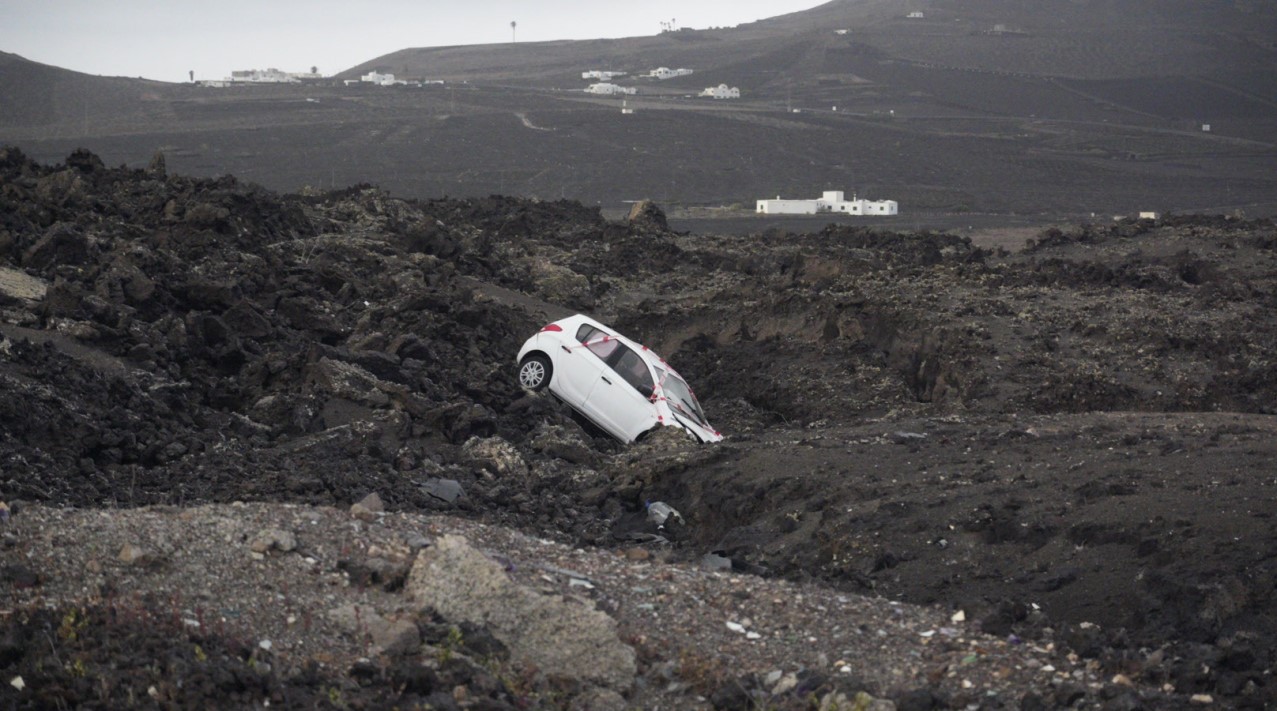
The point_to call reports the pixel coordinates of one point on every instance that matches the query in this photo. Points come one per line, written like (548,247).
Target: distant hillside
(1225,40)
(65,101)
(1078,107)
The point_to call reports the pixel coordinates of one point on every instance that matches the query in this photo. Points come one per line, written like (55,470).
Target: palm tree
(512,31)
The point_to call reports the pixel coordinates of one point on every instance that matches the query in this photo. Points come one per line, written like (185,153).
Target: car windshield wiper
(686,408)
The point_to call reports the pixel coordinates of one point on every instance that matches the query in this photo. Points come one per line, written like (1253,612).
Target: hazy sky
(164,39)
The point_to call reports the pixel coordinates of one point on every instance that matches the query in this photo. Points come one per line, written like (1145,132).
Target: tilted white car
(619,385)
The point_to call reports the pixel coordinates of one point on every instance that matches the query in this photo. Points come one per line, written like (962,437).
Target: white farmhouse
(261,76)
(722,91)
(667,73)
(830,201)
(607,89)
(380,79)
(916,15)
(601,75)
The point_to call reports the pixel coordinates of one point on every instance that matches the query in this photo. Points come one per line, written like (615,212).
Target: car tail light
(552,327)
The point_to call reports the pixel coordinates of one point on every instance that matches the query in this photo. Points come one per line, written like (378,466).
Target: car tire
(535,372)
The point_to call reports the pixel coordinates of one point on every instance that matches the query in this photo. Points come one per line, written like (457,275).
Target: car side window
(635,372)
(599,343)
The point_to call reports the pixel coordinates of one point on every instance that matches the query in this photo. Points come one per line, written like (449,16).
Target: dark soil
(1076,436)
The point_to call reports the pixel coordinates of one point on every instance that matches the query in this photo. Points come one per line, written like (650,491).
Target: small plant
(450,644)
(73,622)
(703,673)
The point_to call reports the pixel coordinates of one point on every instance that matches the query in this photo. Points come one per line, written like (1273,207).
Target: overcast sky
(165,39)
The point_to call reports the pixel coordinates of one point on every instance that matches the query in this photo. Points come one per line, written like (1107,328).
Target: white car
(619,385)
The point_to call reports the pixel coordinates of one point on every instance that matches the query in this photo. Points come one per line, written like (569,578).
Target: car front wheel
(535,372)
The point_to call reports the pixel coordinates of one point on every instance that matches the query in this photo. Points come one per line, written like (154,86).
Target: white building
(722,91)
(380,79)
(830,201)
(607,89)
(916,15)
(261,76)
(667,73)
(601,75)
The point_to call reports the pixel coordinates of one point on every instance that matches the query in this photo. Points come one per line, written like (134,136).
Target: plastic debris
(658,512)
(640,537)
(4,512)
(17,683)
(714,561)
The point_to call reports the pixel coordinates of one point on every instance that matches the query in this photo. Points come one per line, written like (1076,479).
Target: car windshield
(680,397)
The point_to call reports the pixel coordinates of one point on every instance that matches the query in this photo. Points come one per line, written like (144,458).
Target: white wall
(830,201)
(787,207)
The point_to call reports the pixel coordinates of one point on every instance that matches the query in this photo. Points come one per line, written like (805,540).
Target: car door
(621,401)
(579,364)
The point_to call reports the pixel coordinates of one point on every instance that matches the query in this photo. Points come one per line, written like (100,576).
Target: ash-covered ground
(1070,442)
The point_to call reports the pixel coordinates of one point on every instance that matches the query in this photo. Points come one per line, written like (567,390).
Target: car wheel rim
(532,374)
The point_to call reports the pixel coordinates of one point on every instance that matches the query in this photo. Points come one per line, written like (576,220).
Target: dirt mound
(1073,437)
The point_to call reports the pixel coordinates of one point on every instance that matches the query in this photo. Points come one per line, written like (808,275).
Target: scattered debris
(659,512)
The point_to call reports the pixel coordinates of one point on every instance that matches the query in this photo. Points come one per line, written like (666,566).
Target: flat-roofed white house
(607,89)
(722,91)
(261,76)
(829,201)
(380,79)
(601,75)
(667,73)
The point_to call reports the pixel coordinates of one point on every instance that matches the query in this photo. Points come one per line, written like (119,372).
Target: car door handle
(604,377)
(565,348)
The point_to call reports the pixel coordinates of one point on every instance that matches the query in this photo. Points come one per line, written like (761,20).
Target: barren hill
(1002,107)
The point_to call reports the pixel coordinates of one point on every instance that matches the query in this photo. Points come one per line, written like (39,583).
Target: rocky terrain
(261,447)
